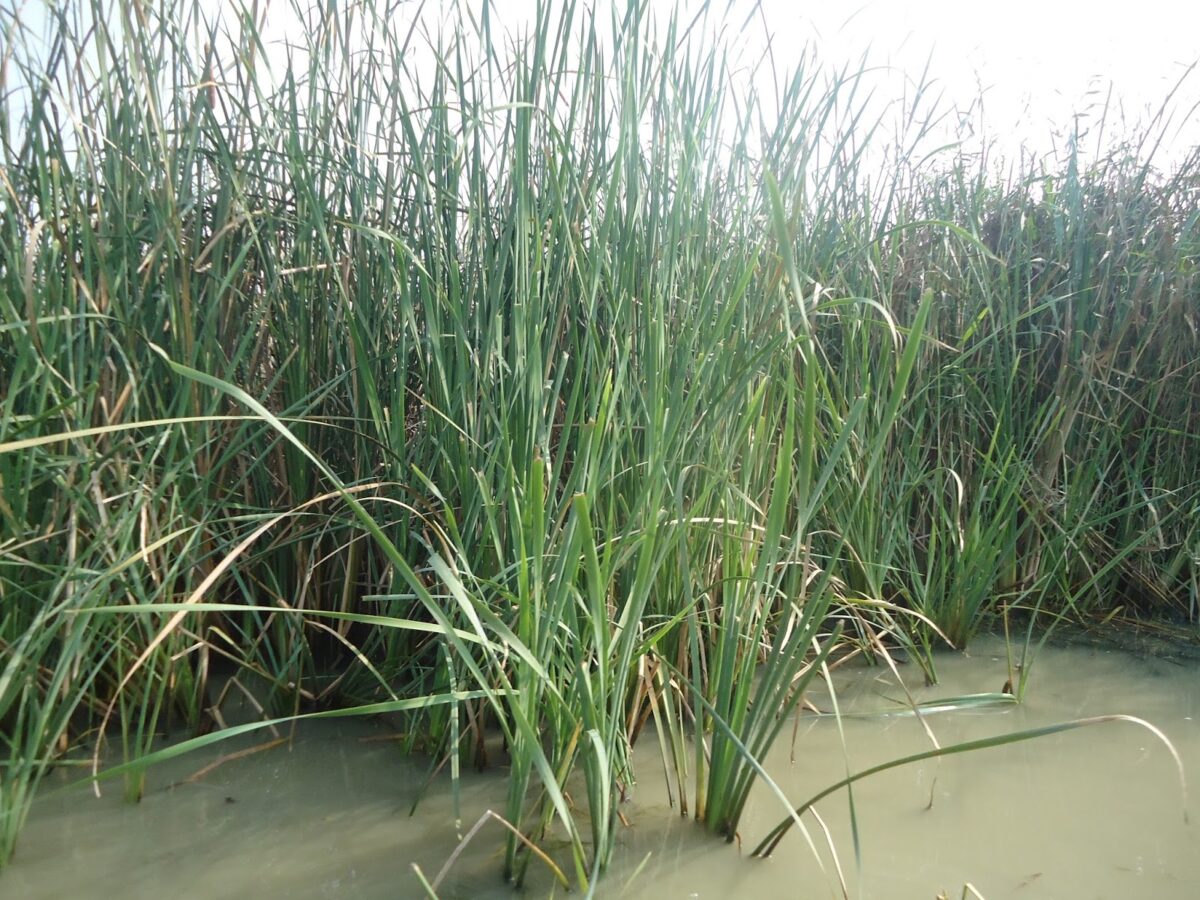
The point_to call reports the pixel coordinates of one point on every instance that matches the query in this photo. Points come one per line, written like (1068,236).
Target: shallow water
(1091,813)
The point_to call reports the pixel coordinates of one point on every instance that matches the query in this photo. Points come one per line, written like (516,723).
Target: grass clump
(547,383)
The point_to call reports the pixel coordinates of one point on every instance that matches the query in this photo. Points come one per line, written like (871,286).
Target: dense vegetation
(552,385)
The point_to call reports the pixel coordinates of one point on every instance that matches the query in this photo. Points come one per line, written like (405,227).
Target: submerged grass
(550,384)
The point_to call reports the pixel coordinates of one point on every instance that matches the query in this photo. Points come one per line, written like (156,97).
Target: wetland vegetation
(557,387)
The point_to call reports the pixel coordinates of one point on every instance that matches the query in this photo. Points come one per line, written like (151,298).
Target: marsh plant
(556,384)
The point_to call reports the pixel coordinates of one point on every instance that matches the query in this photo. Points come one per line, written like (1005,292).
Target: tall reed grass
(553,384)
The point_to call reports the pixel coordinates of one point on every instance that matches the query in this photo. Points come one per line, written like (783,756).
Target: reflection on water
(1095,813)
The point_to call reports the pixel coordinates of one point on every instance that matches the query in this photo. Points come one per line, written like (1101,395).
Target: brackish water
(1092,813)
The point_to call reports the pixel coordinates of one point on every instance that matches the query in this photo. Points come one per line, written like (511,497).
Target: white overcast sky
(1037,62)
(1040,56)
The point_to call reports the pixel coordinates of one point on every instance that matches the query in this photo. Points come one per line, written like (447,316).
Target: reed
(555,383)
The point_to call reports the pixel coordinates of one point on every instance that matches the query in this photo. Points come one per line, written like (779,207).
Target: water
(1091,813)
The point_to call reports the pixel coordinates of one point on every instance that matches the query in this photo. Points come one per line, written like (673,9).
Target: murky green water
(1089,814)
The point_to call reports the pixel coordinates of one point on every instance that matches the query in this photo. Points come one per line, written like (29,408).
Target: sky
(1036,63)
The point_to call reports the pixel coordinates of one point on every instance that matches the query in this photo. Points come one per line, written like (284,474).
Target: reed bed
(555,385)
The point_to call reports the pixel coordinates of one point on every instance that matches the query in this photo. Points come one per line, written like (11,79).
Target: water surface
(1093,813)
